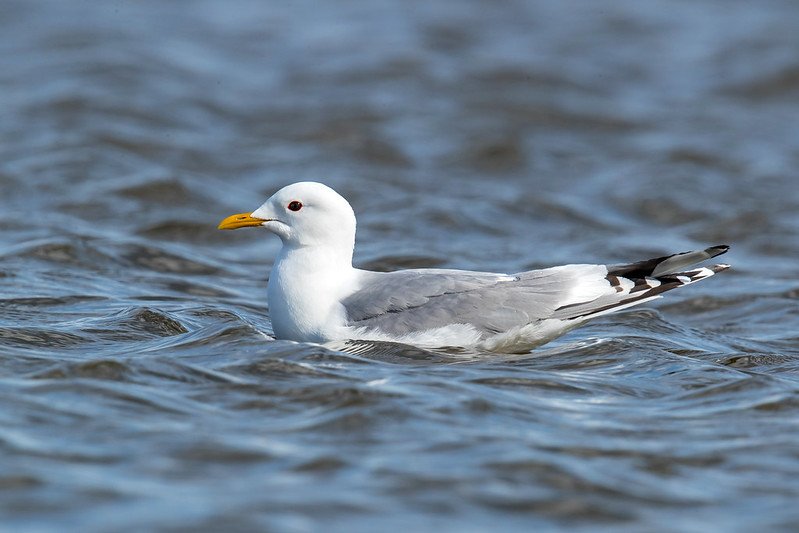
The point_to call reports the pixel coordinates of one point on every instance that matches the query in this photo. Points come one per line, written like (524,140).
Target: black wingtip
(717,250)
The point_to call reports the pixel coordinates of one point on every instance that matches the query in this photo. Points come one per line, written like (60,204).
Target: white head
(303,214)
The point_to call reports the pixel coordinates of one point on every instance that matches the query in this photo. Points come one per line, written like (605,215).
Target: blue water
(142,389)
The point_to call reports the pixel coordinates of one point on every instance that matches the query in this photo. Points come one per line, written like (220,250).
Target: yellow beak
(241,220)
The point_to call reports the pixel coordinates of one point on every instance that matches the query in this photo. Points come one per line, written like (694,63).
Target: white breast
(304,298)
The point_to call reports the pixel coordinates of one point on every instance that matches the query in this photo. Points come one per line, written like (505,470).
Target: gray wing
(415,300)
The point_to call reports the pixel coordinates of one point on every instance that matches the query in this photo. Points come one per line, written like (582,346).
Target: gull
(316,295)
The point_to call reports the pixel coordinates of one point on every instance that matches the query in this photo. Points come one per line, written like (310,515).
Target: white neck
(305,289)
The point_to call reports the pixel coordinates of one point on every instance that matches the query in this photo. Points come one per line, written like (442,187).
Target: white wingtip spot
(626,284)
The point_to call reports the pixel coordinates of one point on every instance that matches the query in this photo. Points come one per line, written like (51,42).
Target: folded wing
(407,301)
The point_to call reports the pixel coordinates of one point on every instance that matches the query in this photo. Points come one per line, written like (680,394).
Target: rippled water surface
(141,387)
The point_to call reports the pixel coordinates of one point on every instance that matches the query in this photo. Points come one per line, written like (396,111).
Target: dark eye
(295,205)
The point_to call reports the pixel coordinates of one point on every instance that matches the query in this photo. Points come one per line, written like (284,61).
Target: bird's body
(316,295)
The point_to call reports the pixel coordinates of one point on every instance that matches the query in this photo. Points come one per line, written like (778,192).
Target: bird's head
(302,214)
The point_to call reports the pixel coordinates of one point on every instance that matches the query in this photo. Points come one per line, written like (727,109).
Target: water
(141,389)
